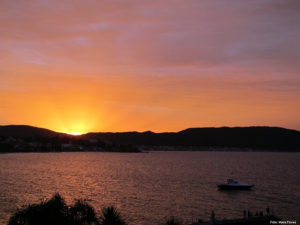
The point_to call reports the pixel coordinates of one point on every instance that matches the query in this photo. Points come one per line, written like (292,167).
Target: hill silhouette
(225,137)
(259,138)
(26,131)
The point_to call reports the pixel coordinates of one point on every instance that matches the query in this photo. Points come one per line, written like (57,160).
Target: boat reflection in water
(234,185)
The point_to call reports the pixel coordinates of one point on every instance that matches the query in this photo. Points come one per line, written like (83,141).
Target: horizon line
(135,131)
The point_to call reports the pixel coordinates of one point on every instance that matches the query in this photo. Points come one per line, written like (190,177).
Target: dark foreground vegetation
(33,139)
(56,212)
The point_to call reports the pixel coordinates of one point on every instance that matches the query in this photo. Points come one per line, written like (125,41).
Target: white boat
(234,185)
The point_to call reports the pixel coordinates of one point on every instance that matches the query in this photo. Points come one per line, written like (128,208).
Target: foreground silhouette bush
(54,211)
(57,212)
(173,221)
(110,216)
(83,213)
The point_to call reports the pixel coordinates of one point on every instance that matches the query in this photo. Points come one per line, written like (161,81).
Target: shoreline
(145,151)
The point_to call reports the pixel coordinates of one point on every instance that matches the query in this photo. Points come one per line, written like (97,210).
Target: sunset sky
(120,65)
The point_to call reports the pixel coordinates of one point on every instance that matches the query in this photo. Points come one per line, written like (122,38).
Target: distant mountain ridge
(263,138)
(257,137)
(25,131)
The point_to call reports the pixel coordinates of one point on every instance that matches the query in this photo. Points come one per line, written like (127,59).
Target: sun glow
(67,116)
(75,133)
(74,127)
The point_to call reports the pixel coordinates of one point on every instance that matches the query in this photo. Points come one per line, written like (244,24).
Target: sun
(76,133)
(76,129)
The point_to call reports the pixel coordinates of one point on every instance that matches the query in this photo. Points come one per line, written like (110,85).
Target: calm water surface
(148,187)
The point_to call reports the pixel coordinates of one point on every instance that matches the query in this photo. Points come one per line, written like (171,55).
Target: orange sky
(80,66)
